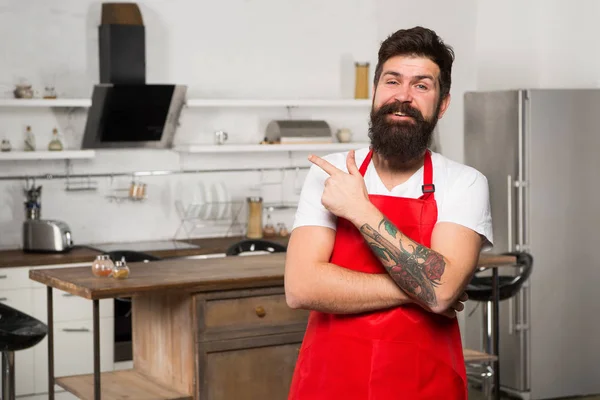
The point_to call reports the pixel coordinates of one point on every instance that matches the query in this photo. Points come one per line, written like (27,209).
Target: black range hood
(126,112)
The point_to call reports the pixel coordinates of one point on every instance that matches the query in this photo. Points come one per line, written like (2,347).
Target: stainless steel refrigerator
(540,151)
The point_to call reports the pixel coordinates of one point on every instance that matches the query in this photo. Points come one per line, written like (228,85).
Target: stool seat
(252,245)
(19,331)
(480,287)
(131,256)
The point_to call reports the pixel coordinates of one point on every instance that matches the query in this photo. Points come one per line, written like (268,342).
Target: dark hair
(421,42)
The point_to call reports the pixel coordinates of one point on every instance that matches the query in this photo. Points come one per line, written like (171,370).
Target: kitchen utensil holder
(80,185)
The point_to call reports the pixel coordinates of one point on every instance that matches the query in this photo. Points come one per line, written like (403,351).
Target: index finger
(324,165)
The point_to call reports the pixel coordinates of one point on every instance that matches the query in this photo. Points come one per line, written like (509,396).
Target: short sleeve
(311,211)
(467,203)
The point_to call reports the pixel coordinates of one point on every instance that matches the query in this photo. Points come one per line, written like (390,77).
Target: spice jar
(254,229)
(102,266)
(121,270)
(283,231)
(269,229)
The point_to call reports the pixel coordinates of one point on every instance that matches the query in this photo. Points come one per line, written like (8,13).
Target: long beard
(401,141)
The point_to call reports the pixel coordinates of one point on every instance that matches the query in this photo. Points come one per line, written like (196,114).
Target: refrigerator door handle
(511,325)
(509,190)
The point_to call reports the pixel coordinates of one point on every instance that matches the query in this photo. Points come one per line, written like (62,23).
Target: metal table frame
(96,328)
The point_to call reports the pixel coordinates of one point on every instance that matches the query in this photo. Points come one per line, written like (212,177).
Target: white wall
(537,44)
(234,49)
(257,49)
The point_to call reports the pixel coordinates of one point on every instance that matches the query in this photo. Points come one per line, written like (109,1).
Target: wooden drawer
(251,368)
(248,312)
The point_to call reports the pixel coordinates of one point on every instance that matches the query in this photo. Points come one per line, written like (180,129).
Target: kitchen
(205,47)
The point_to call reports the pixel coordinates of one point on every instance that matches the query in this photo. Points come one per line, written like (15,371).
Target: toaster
(46,236)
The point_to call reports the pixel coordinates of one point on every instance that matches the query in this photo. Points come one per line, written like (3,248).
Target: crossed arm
(432,277)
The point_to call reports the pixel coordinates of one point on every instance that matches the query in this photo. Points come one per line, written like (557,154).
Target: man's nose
(403,94)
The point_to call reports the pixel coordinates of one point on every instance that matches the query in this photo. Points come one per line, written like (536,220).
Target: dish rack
(203,214)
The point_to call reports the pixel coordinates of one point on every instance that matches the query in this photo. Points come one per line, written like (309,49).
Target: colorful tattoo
(415,268)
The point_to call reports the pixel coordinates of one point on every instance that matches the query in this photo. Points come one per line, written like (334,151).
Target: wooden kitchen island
(214,329)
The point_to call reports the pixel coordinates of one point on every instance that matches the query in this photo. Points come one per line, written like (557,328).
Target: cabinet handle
(3,298)
(76,330)
(68,295)
(3,276)
(260,311)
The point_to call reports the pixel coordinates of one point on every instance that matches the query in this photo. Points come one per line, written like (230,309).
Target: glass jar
(361,84)
(269,229)
(283,231)
(121,270)
(102,266)
(254,229)
(29,139)
(55,144)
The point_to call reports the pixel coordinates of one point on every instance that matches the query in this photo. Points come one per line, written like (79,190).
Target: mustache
(398,107)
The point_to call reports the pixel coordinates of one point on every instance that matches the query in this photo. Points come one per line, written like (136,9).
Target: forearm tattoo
(415,268)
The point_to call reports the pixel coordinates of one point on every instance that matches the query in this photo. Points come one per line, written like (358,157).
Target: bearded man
(385,240)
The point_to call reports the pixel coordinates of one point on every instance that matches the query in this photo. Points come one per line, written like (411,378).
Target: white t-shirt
(461,192)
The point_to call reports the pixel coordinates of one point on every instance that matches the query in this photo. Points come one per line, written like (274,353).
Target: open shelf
(119,385)
(249,148)
(47,155)
(278,103)
(84,103)
(45,103)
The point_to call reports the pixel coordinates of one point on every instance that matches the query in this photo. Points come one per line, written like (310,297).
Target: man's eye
(392,82)
(422,87)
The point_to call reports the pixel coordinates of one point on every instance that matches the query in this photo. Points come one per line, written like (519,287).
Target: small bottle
(55,144)
(269,229)
(29,139)
(283,232)
(102,266)
(121,270)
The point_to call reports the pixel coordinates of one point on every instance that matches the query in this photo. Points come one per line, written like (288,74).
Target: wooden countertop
(19,258)
(169,275)
(184,275)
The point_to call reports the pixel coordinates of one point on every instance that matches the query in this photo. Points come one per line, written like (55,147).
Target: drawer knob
(260,311)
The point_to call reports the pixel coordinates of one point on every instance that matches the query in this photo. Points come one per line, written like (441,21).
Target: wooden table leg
(50,343)
(96,349)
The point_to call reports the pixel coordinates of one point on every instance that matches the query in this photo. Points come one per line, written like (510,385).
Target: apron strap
(365,164)
(428,187)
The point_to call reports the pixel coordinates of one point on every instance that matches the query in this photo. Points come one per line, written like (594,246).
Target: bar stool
(18,331)
(480,289)
(255,245)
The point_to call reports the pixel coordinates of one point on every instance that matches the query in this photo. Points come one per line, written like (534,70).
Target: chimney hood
(126,112)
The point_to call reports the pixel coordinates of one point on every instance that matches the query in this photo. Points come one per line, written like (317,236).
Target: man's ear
(444,106)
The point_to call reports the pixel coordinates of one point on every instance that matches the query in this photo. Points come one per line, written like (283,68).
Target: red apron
(400,353)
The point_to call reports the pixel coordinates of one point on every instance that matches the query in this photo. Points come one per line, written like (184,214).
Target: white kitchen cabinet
(73,334)
(74,351)
(14,278)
